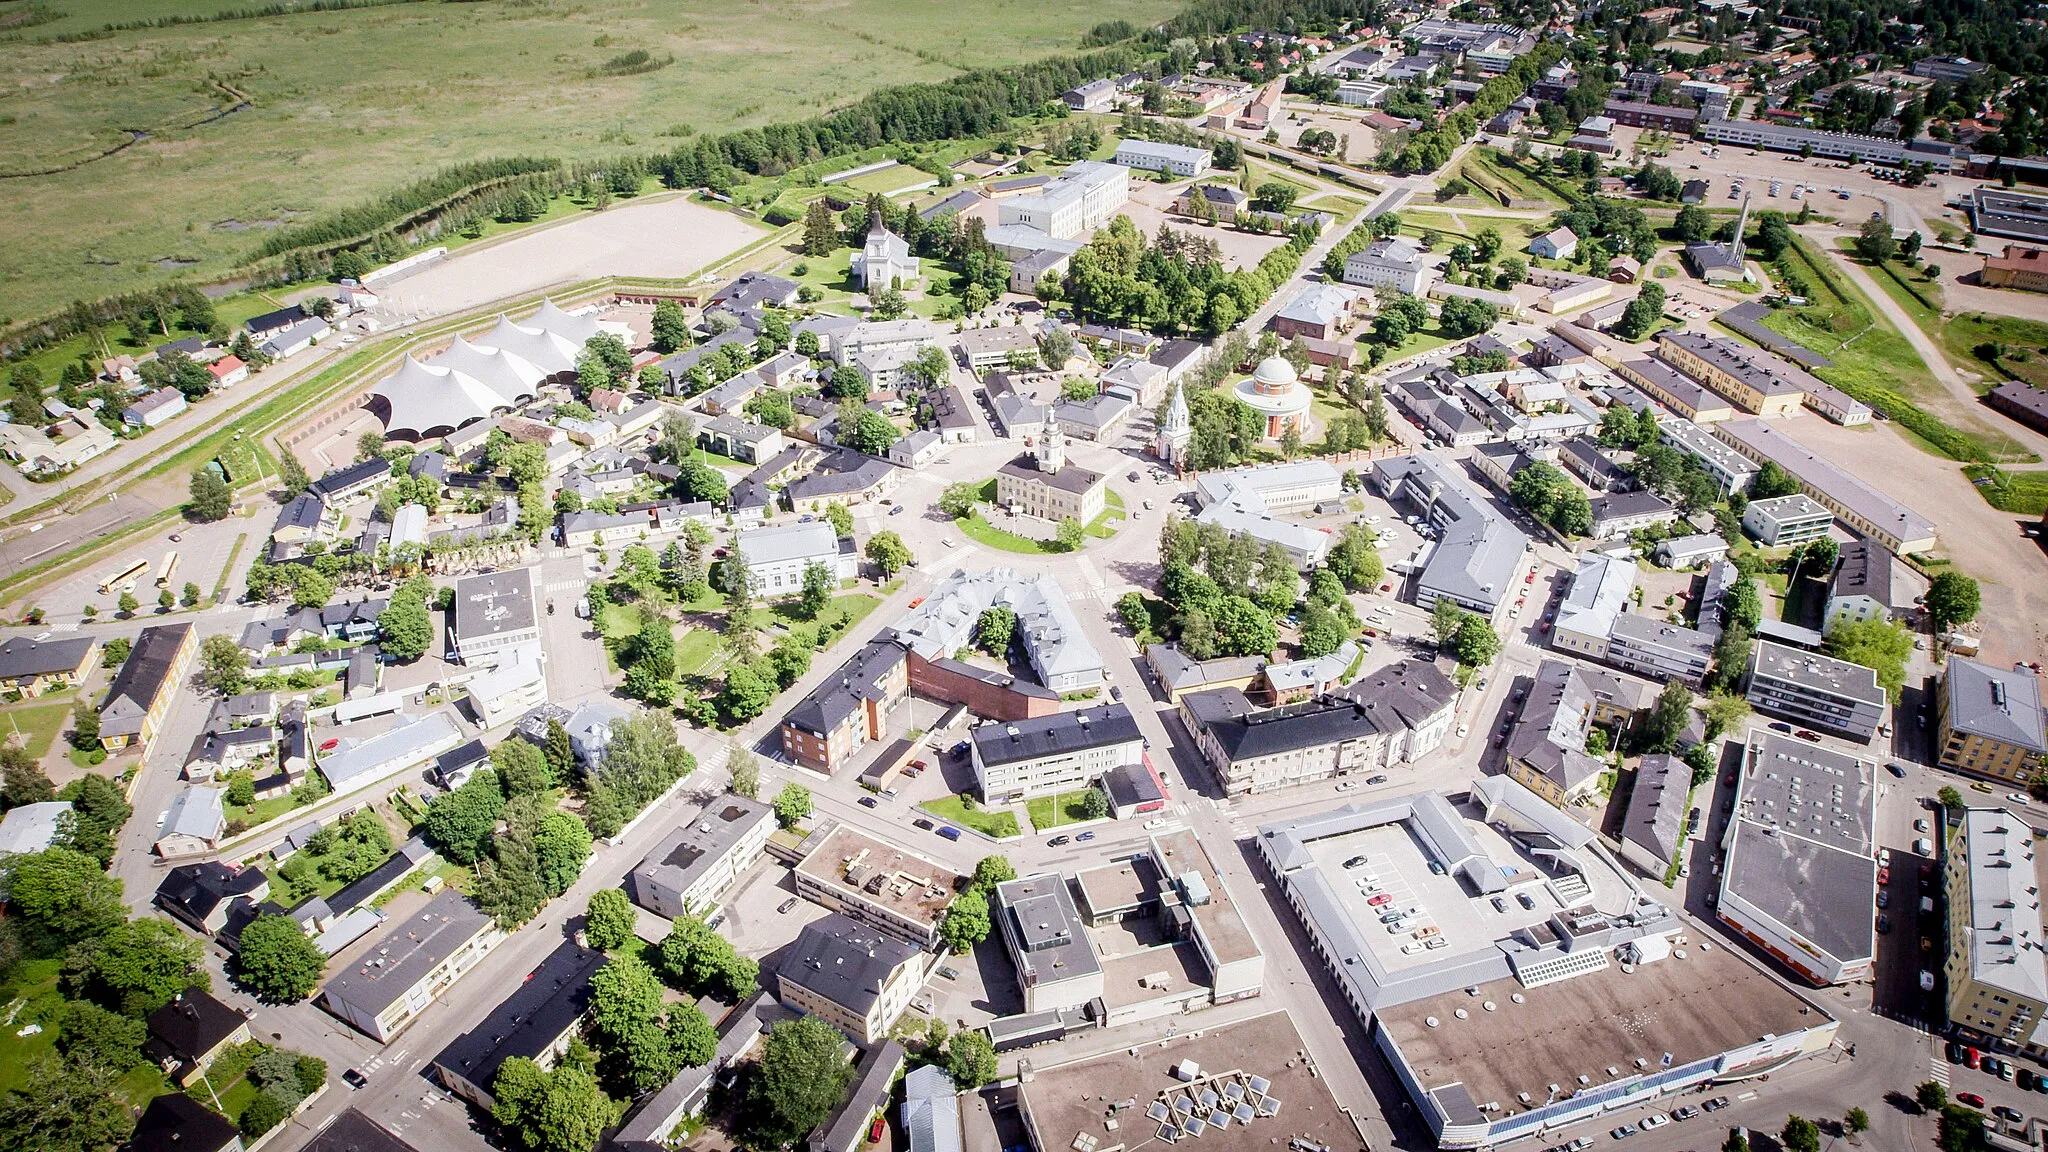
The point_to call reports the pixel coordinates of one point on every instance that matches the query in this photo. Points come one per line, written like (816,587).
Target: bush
(262,1114)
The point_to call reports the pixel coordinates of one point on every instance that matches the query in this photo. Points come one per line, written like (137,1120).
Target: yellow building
(1990,722)
(1757,381)
(1044,485)
(143,689)
(31,667)
(1997,973)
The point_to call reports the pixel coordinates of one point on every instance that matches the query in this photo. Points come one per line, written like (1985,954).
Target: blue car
(1084,837)
(949,832)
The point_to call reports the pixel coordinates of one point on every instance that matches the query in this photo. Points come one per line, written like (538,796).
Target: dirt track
(673,237)
(1983,542)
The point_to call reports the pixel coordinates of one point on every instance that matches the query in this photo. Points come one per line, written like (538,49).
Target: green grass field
(1049,812)
(998,824)
(345,106)
(39,724)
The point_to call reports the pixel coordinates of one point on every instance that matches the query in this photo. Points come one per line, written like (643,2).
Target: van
(950,833)
(1924,847)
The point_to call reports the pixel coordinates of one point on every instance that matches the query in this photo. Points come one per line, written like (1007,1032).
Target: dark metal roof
(1062,732)
(844,961)
(548,1002)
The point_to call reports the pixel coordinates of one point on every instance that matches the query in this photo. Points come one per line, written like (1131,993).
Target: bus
(170,571)
(125,576)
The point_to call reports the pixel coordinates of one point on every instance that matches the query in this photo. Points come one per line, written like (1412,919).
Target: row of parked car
(1656,1120)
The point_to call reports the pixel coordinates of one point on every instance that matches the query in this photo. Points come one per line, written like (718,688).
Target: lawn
(1992,346)
(999,824)
(695,649)
(1106,525)
(1502,176)
(977,528)
(1873,362)
(888,180)
(346,106)
(2023,492)
(1049,812)
(31,997)
(262,811)
(39,724)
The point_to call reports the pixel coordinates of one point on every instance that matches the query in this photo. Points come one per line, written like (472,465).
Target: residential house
(153,409)
(1556,244)
(31,667)
(178,1123)
(1786,521)
(188,1034)
(856,978)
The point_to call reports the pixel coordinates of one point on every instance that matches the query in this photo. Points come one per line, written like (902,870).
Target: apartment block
(1786,521)
(1997,974)
(692,866)
(1050,754)
(1816,690)
(851,709)
(1990,721)
(422,957)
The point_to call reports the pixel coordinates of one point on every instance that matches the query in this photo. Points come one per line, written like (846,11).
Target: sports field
(346,105)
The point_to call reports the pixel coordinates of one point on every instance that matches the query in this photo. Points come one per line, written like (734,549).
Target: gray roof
(494,602)
(1044,930)
(1656,809)
(1817,673)
(1046,625)
(1479,551)
(1061,732)
(22,657)
(1825,477)
(931,1110)
(1864,569)
(1246,734)
(1994,703)
(1550,734)
(350,476)
(143,677)
(1764,371)
(2005,942)
(546,1003)
(694,846)
(393,750)
(1614,507)
(844,961)
(31,827)
(413,947)
(863,677)
(354,1132)
(873,1079)
(1801,848)
(817,540)
(195,812)
(1177,671)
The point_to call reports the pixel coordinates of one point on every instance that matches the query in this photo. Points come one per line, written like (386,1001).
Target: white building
(424,955)
(884,261)
(1085,197)
(1250,502)
(776,557)
(1178,159)
(1783,521)
(494,611)
(693,865)
(1599,594)
(1039,757)
(1394,263)
(518,682)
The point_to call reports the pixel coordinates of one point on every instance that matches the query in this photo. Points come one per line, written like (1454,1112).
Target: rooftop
(844,961)
(1822,475)
(1994,703)
(548,1002)
(1066,1101)
(1478,551)
(1817,673)
(1043,928)
(863,869)
(1054,735)
(2005,935)
(493,603)
(1800,850)
(695,845)
(1657,808)
(863,677)
(785,543)
(387,972)
(1533,1038)
(1180,855)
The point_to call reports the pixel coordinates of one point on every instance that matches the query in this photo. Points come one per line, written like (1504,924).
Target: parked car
(950,832)
(1380,899)
(1522,898)
(1970,1098)
(1059,841)
(1355,862)
(1781,726)
(1375,779)
(1655,1120)
(1499,905)
(1623,1132)
(783,908)
(2013,1115)
(1895,769)
(921,824)
(1686,1112)
(867,802)
(1084,837)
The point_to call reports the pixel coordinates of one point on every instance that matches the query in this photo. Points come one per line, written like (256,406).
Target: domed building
(1278,395)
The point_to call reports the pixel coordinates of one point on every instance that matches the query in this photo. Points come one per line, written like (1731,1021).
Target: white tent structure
(577,329)
(542,348)
(511,376)
(420,401)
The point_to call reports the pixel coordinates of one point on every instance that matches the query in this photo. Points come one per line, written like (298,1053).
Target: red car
(1973,1058)
(875,1130)
(1884,875)
(330,745)
(1380,899)
(1970,1098)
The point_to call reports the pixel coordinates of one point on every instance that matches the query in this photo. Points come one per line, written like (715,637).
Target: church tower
(1052,448)
(1171,443)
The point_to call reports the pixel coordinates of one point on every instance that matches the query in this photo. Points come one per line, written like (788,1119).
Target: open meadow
(343,106)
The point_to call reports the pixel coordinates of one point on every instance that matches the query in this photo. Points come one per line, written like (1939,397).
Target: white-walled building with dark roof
(854,977)
(1477,558)
(1039,757)
(690,869)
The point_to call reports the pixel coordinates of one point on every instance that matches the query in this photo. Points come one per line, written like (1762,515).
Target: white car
(1655,1120)
(1464,730)
(2019,797)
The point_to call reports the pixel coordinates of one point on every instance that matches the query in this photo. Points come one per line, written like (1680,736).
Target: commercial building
(30,667)
(1859,506)
(1997,977)
(1786,521)
(1659,650)
(2009,212)
(1395,714)
(1039,757)
(1048,943)
(1249,502)
(1174,159)
(143,689)
(1598,594)
(878,884)
(1990,721)
(1661,117)
(536,1022)
(1198,908)
(422,957)
(850,709)
(1816,690)
(855,977)
(494,612)
(687,872)
(1798,876)
(1564,989)
(1083,198)
(1477,555)
(1829,145)
(778,556)
(356,764)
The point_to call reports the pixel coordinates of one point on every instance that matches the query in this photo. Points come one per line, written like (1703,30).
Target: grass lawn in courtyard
(998,823)
(39,724)
(1049,812)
